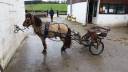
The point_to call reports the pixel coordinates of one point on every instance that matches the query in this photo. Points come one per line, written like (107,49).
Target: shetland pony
(46,30)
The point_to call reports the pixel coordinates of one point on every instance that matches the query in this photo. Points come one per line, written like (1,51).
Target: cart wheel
(96,48)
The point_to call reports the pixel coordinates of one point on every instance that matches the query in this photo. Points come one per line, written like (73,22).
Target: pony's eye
(27,18)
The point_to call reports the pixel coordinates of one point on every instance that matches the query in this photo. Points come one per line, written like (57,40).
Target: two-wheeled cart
(92,39)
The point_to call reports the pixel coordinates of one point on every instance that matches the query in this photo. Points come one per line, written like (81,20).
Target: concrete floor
(29,58)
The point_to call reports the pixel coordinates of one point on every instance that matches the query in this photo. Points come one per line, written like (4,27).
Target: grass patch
(44,7)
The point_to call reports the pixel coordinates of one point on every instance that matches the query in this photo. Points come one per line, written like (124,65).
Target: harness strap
(46,30)
(56,33)
(58,28)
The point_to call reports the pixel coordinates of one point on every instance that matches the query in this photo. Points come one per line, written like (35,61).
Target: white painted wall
(68,9)
(112,20)
(79,11)
(11,13)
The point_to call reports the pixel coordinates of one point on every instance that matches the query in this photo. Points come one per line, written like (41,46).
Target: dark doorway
(91,10)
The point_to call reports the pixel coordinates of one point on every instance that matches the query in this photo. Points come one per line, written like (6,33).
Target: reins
(17,29)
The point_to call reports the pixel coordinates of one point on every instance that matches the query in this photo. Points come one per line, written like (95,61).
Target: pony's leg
(44,45)
(63,47)
(67,41)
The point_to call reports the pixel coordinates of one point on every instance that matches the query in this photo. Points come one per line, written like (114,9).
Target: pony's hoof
(44,52)
(63,49)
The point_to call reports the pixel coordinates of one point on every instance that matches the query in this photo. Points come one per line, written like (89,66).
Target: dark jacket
(51,12)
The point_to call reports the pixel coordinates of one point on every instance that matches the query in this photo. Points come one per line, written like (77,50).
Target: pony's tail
(1,69)
(68,41)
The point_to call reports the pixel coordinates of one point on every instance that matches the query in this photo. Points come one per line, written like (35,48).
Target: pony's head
(32,20)
(28,20)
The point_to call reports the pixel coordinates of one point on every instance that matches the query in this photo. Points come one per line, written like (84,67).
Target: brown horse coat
(56,29)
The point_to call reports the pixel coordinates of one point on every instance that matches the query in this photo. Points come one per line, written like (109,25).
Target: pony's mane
(38,21)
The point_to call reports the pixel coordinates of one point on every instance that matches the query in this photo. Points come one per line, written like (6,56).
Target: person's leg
(57,15)
(51,18)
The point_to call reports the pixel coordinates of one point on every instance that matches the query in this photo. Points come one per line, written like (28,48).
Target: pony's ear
(28,15)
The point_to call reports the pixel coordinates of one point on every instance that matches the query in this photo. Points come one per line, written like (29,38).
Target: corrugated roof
(115,1)
(102,1)
(76,1)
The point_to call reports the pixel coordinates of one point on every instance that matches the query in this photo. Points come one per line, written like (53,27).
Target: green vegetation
(44,7)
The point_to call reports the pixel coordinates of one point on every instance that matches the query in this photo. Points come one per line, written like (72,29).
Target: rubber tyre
(97,46)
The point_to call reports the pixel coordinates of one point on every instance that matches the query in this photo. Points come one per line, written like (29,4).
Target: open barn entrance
(91,10)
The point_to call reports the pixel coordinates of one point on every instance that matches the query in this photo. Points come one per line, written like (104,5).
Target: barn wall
(79,11)
(11,13)
(112,20)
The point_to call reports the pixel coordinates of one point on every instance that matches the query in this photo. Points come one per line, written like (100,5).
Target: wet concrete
(29,58)
(119,34)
